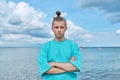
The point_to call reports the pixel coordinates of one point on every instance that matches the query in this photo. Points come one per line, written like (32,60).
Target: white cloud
(77,33)
(87,37)
(15,20)
(15,37)
(22,38)
(64,14)
(28,15)
(23,10)
(118,31)
(105,39)
(109,8)
(12,5)
(22,23)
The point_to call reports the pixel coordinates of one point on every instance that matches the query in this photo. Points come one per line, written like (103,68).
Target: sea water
(97,63)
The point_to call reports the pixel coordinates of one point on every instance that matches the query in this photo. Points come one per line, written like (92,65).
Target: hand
(52,64)
(73,58)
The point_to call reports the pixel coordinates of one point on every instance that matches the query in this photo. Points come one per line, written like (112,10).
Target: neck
(60,39)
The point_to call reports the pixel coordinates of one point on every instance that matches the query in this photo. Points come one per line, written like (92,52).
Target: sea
(18,63)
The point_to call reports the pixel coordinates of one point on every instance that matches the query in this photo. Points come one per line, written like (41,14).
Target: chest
(60,53)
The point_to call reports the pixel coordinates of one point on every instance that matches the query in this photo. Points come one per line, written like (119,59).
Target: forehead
(59,23)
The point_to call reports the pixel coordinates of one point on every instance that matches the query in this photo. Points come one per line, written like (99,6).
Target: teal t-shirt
(59,51)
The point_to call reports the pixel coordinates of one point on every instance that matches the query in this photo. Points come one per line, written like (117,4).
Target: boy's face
(59,29)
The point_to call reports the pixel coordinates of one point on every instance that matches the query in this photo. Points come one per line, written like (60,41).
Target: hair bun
(58,13)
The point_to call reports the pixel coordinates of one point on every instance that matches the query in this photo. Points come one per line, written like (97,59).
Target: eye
(56,27)
(62,27)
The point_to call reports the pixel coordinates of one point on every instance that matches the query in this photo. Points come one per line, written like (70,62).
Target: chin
(59,37)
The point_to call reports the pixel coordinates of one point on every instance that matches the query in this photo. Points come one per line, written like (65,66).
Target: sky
(91,23)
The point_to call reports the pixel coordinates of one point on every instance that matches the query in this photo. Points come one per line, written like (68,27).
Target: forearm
(55,70)
(65,66)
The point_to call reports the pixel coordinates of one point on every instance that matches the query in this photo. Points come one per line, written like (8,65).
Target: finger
(73,58)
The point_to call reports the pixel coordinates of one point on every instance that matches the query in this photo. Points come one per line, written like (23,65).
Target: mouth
(59,34)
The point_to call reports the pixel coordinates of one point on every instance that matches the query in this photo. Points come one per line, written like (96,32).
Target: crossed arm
(58,67)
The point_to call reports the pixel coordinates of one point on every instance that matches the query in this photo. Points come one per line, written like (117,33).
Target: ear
(52,27)
(66,28)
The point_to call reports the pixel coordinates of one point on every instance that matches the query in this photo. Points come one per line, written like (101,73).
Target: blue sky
(90,22)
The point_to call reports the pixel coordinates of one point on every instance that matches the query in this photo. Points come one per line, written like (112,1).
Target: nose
(59,29)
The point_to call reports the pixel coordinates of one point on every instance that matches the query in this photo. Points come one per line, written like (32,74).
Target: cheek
(55,31)
(64,30)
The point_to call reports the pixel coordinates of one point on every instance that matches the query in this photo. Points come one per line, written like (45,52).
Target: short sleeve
(77,54)
(43,62)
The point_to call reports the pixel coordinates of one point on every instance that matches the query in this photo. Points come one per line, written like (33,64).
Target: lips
(59,34)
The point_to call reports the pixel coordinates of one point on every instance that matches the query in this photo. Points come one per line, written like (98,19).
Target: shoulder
(72,42)
(46,44)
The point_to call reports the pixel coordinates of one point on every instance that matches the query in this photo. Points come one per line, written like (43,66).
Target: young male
(60,58)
